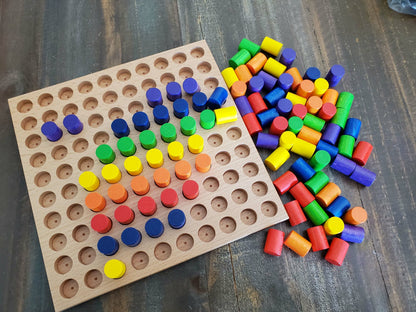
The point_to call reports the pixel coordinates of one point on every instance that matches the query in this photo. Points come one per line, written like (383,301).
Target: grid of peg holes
(74,211)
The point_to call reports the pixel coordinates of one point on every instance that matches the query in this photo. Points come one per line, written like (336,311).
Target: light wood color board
(236,197)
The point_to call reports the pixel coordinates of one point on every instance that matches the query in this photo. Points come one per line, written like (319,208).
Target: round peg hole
(215,140)
(129,91)
(104,81)
(223,158)
(85,163)
(184,242)
(242,151)
(231,177)
(251,169)
(49,115)
(69,288)
(248,216)
(45,99)
(85,87)
(64,171)
(228,225)
(24,106)
(93,279)
(86,255)
(211,83)
(42,179)
(52,220)
(269,209)
(75,212)
(211,184)
(204,67)
(37,160)
(33,141)
(142,69)
(179,58)
(148,83)
(135,107)
(206,233)
(197,52)
(115,113)
(163,251)
(81,233)
(140,260)
(65,93)
(198,212)
(63,264)
(47,199)
(186,72)
(239,196)
(90,103)
(59,152)
(70,109)
(166,78)
(28,123)
(259,188)
(69,191)
(123,75)
(80,145)
(234,133)
(101,138)
(219,204)
(57,242)
(95,120)
(161,63)
(110,97)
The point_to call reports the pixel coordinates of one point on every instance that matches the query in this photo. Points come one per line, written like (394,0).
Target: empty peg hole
(239,196)
(248,216)
(28,123)
(219,204)
(184,242)
(85,87)
(211,83)
(75,212)
(86,255)
(140,260)
(70,109)
(59,152)
(123,75)
(198,212)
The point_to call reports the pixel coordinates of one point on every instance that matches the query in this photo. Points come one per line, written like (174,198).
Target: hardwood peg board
(236,197)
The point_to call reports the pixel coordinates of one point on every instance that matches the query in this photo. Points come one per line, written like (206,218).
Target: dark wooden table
(46,42)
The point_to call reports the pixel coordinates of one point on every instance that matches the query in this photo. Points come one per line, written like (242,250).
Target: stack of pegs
(306,116)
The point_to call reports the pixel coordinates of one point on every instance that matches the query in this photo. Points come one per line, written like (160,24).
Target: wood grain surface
(46,42)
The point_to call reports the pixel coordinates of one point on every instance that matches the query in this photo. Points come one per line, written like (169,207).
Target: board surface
(236,196)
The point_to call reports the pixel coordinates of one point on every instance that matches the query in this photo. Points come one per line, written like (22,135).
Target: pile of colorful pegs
(287,112)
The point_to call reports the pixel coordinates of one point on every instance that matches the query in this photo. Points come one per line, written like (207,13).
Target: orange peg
(239,88)
(330,96)
(183,169)
(140,185)
(328,194)
(305,88)
(243,73)
(117,193)
(297,78)
(161,176)
(309,135)
(314,104)
(298,244)
(256,63)
(355,216)
(202,163)
(95,201)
